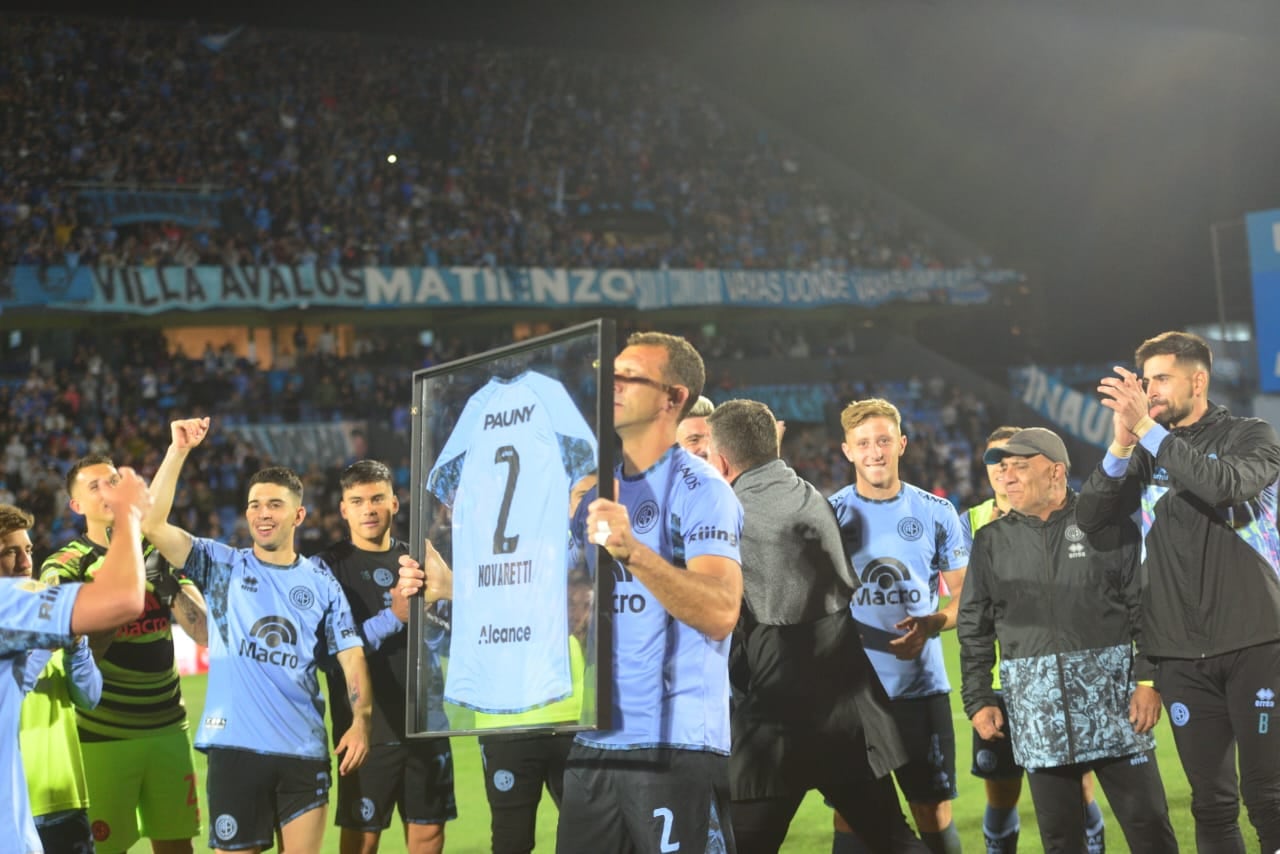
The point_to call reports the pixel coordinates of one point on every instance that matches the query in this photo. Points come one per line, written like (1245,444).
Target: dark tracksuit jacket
(1211,567)
(1065,606)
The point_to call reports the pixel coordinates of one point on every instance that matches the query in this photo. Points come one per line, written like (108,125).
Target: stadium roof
(1088,143)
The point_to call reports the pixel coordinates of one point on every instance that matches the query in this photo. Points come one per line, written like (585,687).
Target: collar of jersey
(902,487)
(622,472)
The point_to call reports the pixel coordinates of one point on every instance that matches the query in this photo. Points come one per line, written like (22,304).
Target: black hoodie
(1212,554)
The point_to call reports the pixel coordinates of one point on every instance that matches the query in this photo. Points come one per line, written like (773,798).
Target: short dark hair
(280,476)
(1183,346)
(1002,433)
(364,471)
(83,463)
(14,519)
(684,365)
(745,433)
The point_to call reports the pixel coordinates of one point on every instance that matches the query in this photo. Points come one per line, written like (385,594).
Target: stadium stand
(278,144)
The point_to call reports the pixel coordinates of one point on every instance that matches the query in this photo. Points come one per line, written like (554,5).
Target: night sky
(1088,147)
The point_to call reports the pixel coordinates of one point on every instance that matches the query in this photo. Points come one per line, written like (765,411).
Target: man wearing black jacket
(1065,607)
(796,639)
(1205,483)
(414,775)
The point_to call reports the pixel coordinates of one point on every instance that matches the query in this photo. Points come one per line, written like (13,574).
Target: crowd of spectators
(119,399)
(501,157)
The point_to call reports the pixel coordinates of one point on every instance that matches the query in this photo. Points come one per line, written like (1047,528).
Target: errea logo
(1266,699)
(1076,550)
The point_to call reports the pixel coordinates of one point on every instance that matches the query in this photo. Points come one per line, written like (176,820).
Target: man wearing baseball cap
(1075,688)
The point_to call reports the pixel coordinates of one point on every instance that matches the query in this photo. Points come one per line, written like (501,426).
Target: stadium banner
(1263,228)
(150,290)
(29,286)
(190,208)
(301,446)
(1075,413)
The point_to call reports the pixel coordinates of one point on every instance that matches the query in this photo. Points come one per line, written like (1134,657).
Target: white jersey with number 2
(506,470)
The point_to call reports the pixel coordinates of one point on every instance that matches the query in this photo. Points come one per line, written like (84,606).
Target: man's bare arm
(353,747)
(116,595)
(173,542)
(190,612)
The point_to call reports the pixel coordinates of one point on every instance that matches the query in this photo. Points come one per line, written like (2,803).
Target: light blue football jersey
(506,470)
(671,682)
(32,616)
(899,547)
(266,624)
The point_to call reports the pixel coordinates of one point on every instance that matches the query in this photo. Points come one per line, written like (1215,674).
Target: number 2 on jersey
(502,544)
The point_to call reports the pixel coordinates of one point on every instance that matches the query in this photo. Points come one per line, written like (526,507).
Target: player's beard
(1171,414)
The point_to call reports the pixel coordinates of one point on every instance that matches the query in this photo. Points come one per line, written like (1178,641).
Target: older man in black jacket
(1065,607)
(808,711)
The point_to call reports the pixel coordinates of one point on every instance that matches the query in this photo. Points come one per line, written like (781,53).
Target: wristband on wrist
(1121,451)
(1140,429)
(1147,683)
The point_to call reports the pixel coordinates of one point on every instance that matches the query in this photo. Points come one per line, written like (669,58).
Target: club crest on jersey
(646,516)
(910,529)
(509,418)
(383,577)
(1073,533)
(302,597)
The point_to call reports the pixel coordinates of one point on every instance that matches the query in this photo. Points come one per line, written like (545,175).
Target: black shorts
(654,799)
(251,794)
(66,832)
(929,736)
(993,760)
(414,776)
(515,770)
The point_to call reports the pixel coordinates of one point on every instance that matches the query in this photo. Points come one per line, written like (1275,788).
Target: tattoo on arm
(189,609)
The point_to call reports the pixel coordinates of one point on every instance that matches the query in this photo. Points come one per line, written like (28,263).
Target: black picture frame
(470,686)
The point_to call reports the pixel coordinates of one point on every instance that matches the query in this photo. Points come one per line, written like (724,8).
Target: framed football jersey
(505,444)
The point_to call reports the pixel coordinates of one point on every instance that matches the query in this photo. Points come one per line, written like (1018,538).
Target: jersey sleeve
(34,615)
(207,559)
(442,481)
(955,544)
(576,439)
(966,530)
(339,623)
(33,665)
(711,520)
